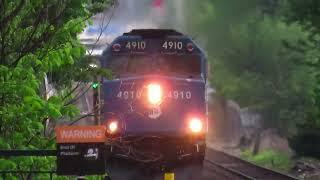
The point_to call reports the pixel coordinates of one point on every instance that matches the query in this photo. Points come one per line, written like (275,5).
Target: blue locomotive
(155,106)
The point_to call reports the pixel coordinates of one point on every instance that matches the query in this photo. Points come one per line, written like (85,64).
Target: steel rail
(232,171)
(242,168)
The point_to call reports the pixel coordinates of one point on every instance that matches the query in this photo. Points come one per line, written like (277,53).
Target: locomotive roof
(153,41)
(153,33)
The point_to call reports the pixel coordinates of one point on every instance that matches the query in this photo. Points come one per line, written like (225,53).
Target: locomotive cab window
(124,65)
(179,65)
(188,66)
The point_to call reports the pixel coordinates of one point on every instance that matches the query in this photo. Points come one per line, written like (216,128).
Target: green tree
(39,38)
(306,14)
(245,42)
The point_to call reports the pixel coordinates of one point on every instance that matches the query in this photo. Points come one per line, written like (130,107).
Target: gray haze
(132,14)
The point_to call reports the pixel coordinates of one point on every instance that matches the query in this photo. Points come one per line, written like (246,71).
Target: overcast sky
(132,14)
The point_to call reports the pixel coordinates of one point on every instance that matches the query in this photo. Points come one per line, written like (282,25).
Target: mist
(127,15)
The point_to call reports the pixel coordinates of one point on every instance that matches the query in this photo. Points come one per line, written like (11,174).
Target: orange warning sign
(80,134)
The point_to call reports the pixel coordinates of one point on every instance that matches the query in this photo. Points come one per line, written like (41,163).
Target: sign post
(96,103)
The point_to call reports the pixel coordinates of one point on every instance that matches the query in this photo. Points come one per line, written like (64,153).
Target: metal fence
(36,153)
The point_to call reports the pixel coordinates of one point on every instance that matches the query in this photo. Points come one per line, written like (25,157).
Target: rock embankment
(307,168)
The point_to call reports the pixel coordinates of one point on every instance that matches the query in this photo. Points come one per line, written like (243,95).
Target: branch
(35,27)
(77,97)
(30,140)
(14,13)
(37,43)
(72,91)
(84,116)
(2,8)
(19,169)
(3,47)
(102,29)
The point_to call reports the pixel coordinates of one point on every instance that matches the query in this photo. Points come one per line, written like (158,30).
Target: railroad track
(225,166)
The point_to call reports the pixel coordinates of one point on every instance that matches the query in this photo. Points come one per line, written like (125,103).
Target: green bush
(270,159)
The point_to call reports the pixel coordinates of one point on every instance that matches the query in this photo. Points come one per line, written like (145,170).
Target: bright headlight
(154,94)
(113,126)
(195,125)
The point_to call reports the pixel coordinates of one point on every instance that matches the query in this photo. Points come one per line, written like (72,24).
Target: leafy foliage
(250,62)
(270,159)
(38,38)
(306,14)
(265,55)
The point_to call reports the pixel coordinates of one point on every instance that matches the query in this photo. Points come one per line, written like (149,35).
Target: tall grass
(270,159)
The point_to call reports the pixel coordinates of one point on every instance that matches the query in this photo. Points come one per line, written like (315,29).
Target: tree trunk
(257,140)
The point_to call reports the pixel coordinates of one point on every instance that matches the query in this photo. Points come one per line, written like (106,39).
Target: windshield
(174,65)
(178,64)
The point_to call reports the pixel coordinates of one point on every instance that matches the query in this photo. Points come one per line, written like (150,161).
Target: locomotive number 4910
(138,45)
(171,94)
(172,45)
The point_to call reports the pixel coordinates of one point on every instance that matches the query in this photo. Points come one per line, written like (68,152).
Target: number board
(172,45)
(150,45)
(136,45)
